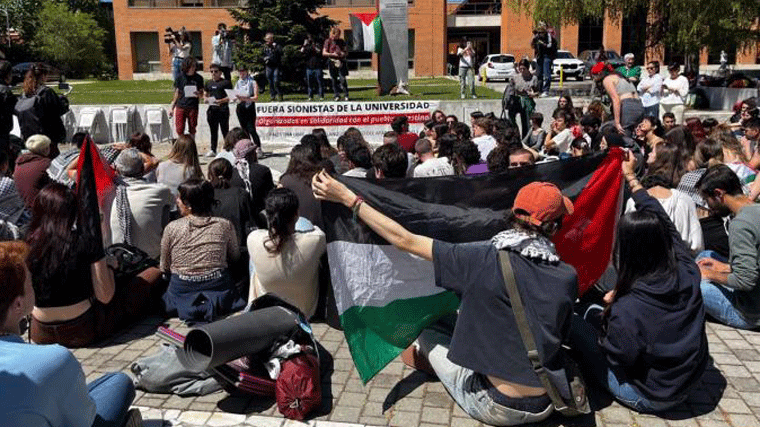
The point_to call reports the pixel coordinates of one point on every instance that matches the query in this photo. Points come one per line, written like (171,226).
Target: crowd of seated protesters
(693,188)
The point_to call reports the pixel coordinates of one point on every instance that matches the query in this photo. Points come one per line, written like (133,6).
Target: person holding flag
(479,355)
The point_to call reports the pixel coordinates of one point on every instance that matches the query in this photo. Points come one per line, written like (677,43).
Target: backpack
(578,404)
(299,387)
(29,112)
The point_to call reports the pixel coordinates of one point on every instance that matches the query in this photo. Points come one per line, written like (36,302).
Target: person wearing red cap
(478,354)
(627,109)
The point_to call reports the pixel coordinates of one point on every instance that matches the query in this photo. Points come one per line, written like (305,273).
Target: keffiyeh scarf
(528,244)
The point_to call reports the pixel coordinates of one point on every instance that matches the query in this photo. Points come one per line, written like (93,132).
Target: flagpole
(375,55)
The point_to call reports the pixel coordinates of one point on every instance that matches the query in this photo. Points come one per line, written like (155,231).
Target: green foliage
(71,40)
(23,16)
(681,25)
(290,21)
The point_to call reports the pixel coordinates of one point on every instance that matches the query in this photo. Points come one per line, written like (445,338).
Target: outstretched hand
(327,188)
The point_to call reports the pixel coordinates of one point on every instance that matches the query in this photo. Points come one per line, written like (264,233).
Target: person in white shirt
(247,91)
(482,128)
(221,45)
(466,55)
(674,91)
(429,164)
(559,139)
(649,90)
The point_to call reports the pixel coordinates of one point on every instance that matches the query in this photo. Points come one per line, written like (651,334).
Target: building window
(145,52)
(350,3)
(185,3)
(197,50)
(411,48)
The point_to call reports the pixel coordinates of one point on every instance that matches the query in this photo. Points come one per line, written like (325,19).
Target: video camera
(170,36)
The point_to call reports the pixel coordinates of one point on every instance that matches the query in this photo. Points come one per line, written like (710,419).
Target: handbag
(132,260)
(579,404)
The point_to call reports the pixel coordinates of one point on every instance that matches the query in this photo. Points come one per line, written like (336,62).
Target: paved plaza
(729,394)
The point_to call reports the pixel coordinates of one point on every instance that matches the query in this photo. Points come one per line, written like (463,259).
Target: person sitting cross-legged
(44,385)
(730,287)
(479,355)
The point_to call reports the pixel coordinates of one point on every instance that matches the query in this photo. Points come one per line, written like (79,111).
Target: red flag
(587,237)
(102,173)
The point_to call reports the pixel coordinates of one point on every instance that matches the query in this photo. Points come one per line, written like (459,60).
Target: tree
(681,25)
(289,20)
(72,40)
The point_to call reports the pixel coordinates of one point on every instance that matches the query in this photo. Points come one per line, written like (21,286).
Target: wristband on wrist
(355,206)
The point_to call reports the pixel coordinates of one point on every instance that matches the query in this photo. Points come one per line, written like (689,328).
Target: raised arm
(327,188)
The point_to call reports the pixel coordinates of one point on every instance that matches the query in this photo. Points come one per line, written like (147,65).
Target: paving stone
(436,415)
(355,385)
(744,384)
(746,355)
(375,421)
(735,371)
(372,409)
(408,404)
(176,402)
(743,420)
(194,417)
(723,359)
(294,423)
(334,424)
(378,394)
(352,399)
(738,344)
(220,419)
(644,421)
(404,419)
(345,413)
(464,422)
(259,421)
(436,399)
(617,415)
(713,423)
(203,406)
(384,380)
(734,406)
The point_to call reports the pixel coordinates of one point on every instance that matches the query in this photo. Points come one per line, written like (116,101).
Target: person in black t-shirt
(272,62)
(184,107)
(218,114)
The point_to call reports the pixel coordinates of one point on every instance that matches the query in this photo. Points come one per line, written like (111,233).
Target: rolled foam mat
(219,342)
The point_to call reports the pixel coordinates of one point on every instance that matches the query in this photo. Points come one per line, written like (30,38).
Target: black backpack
(29,112)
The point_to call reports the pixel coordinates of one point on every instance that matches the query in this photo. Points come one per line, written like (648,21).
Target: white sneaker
(211,153)
(474,97)
(462,96)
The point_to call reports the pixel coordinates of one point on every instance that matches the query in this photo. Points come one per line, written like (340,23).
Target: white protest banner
(287,122)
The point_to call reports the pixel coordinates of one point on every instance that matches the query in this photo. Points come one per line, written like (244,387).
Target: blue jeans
(273,77)
(176,68)
(316,74)
(338,77)
(546,68)
(584,341)
(463,384)
(113,394)
(720,302)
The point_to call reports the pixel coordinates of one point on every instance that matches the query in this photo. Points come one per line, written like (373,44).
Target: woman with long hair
(627,109)
(39,109)
(301,169)
(734,158)
(649,132)
(77,299)
(286,261)
(233,203)
(565,102)
(181,165)
(666,167)
(327,150)
(645,366)
(197,250)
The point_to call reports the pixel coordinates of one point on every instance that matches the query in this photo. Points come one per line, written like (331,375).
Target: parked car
(497,66)
(18,73)
(570,65)
(589,57)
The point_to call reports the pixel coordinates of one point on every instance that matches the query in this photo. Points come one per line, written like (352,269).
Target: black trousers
(247,118)
(218,118)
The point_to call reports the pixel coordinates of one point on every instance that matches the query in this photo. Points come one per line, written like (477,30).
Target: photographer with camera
(313,66)
(222,50)
(179,48)
(272,62)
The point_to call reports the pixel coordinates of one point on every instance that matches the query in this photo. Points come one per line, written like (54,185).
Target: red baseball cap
(539,202)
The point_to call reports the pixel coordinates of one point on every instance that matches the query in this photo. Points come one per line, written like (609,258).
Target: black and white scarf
(528,244)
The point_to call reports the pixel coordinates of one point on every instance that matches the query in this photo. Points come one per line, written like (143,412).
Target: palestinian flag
(367,30)
(385,297)
(94,182)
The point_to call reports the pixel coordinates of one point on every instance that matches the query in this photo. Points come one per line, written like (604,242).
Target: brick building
(435,28)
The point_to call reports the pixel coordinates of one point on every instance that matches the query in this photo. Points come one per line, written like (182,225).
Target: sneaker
(211,153)
(345,99)
(474,97)
(544,95)
(461,96)
(337,98)
(412,358)
(134,418)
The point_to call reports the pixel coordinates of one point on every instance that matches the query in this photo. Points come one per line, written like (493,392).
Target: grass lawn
(160,92)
